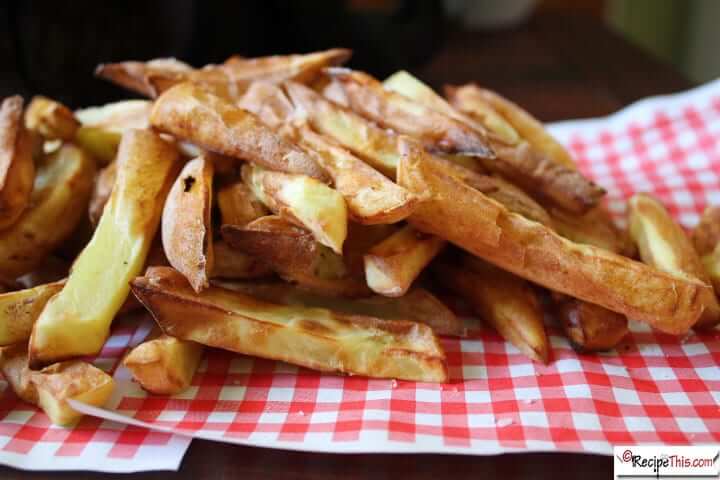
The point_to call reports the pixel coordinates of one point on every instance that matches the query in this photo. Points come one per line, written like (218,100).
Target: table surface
(558,67)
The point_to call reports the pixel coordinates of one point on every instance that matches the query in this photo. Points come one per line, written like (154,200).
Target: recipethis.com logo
(650,461)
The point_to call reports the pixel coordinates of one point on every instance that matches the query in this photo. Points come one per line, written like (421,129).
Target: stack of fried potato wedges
(291,209)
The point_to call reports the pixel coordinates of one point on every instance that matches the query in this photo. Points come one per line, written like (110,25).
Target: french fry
(101,192)
(190,113)
(302,200)
(74,323)
(136,76)
(62,189)
(505,301)
(669,302)
(164,365)
(17,169)
(186,223)
(589,327)
(663,244)
(392,265)
(269,103)
(295,255)
(417,305)
(52,387)
(369,142)
(360,239)
(711,262)
(507,119)
(19,310)
(371,198)
(279,68)
(706,234)
(51,119)
(437,131)
(593,228)
(233,264)
(238,205)
(311,337)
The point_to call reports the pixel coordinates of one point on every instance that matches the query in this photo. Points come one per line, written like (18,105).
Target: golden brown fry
(706,234)
(164,365)
(502,115)
(392,265)
(190,113)
(51,119)
(315,338)
(669,302)
(663,244)
(279,68)
(295,255)
(505,301)
(392,110)
(360,239)
(238,205)
(73,322)
(589,327)
(58,203)
(136,76)
(371,198)
(52,387)
(17,169)
(302,200)
(269,103)
(711,262)
(417,305)
(186,223)
(233,264)
(376,146)
(20,309)
(102,189)
(593,228)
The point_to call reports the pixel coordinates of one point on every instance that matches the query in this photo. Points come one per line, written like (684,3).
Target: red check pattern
(655,389)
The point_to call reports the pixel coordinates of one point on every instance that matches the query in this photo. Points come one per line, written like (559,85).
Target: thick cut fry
(392,110)
(58,203)
(392,265)
(589,327)
(295,255)
(238,205)
(190,113)
(269,103)
(593,228)
(51,119)
(362,238)
(505,301)
(488,106)
(706,235)
(302,200)
(17,169)
(371,198)
(101,192)
(164,365)
(417,305)
(229,79)
(311,337)
(233,264)
(371,143)
(663,244)
(75,322)
(711,262)
(669,302)
(52,387)
(186,223)
(20,309)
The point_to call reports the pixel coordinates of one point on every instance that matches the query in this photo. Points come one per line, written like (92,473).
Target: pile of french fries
(291,209)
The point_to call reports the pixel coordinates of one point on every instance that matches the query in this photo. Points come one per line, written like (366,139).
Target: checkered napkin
(29,441)
(655,388)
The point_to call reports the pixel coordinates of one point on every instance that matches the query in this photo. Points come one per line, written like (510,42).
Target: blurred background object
(53,47)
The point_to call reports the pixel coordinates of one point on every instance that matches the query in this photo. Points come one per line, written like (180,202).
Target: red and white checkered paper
(655,389)
(30,442)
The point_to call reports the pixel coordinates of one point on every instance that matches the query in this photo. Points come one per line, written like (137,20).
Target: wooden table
(558,67)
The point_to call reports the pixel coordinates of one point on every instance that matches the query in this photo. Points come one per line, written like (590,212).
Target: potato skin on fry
(589,327)
(190,113)
(17,169)
(706,234)
(663,244)
(19,310)
(62,189)
(51,119)
(186,223)
(594,228)
(238,205)
(101,192)
(312,337)
(668,302)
